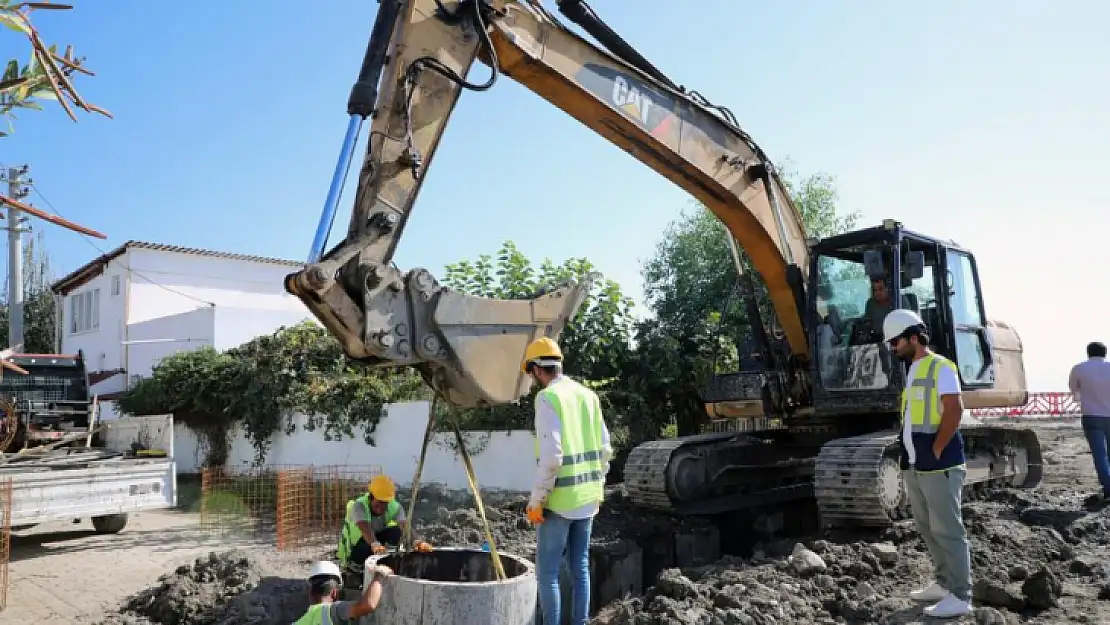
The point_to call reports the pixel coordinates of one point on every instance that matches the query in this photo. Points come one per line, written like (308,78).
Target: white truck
(133,472)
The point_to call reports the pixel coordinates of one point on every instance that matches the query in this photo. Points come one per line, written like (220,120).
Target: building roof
(96,266)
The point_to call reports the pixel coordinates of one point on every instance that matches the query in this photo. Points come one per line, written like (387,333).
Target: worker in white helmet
(324,583)
(933,461)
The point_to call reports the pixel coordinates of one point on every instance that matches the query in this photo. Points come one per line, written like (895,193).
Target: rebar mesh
(293,508)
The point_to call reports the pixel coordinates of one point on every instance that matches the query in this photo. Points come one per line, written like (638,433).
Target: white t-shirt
(948,383)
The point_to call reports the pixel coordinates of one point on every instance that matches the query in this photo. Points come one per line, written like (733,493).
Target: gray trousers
(935,500)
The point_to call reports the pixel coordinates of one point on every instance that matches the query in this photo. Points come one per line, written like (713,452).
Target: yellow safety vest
(350,535)
(581,478)
(318,614)
(925,416)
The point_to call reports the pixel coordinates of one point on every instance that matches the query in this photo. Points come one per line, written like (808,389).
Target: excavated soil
(222,589)
(1039,557)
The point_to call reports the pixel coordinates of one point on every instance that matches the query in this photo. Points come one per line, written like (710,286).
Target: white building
(141,302)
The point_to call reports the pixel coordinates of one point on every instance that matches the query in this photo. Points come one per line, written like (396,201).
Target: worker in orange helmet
(573,451)
(374,520)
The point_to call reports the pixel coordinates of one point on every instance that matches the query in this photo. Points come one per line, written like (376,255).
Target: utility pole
(16,191)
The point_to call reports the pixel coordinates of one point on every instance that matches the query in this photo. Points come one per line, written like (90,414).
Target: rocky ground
(1038,558)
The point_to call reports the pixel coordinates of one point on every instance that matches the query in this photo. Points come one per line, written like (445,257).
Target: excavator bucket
(468,348)
(486,339)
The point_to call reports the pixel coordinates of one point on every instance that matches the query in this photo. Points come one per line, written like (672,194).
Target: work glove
(535,514)
(377,548)
(422,546)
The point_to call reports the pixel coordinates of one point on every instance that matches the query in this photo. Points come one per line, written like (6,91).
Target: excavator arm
(420,54)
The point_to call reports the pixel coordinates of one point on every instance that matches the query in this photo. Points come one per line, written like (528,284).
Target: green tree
(260,384)
(699,324)
(46,75)
(39,311)
(595,343)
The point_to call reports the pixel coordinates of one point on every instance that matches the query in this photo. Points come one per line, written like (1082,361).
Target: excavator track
(647,470)
(857,480)
(716,473)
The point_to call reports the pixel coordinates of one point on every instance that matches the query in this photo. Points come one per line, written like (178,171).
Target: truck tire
(110,524)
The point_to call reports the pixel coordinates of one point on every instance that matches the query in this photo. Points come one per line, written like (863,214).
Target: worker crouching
(573,451)
(324,584)
(933,462)
(374,521)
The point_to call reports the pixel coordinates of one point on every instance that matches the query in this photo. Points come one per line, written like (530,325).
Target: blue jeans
(556,536)
(1097,430)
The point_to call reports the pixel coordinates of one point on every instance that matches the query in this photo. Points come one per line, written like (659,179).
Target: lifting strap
(471,478)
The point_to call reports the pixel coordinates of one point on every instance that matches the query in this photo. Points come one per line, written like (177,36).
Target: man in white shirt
(573,451)
(1090,384)
(933,462)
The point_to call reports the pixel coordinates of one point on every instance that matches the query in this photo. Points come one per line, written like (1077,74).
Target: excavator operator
(880,304)
(374,520)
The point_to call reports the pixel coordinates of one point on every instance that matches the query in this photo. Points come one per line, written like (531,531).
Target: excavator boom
(470,348)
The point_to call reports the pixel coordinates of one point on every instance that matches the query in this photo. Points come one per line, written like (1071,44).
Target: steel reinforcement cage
(291,507)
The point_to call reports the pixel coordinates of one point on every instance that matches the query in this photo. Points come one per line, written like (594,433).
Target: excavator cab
(859,277)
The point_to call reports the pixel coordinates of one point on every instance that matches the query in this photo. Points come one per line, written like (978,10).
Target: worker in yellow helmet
(374,520)
(573,451)
(324,583)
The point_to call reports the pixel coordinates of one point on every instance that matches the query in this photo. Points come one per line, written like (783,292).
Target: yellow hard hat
(382,488)
(542,348)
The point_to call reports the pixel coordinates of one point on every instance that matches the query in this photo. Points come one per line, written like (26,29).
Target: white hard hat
(326,568)
(898,321)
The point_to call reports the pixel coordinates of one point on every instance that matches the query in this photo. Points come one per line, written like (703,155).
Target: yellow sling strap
(471,478)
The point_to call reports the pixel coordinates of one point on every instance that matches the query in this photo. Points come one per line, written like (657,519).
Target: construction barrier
(5,538)
(1044,405)
(1040,406)
(290,507)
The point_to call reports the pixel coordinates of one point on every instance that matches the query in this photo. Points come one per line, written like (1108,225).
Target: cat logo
(651,107)
(633,101)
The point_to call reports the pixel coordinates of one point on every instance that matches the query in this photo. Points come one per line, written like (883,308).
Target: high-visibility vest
(581,478)
(318,614)
(348,538)
(925,416)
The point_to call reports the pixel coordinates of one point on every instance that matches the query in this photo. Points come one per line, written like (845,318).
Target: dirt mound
(449,518)
(1037,556)
(820,583)
(267,588)
(221,589)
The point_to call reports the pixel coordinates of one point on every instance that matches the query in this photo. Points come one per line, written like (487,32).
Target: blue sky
(984,122)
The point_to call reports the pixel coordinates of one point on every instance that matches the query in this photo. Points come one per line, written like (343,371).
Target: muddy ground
(1040,556)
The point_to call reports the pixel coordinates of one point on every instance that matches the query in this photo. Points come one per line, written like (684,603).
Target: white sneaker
(949,607)
(933,592)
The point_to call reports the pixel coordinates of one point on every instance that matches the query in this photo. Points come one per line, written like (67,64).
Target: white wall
(195,280)
(235,326)
(168,335)
(103,345)
(505,460)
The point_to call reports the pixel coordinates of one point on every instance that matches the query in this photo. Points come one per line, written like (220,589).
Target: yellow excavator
(818,397)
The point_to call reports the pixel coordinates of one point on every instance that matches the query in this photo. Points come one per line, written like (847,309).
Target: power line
(86,239)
